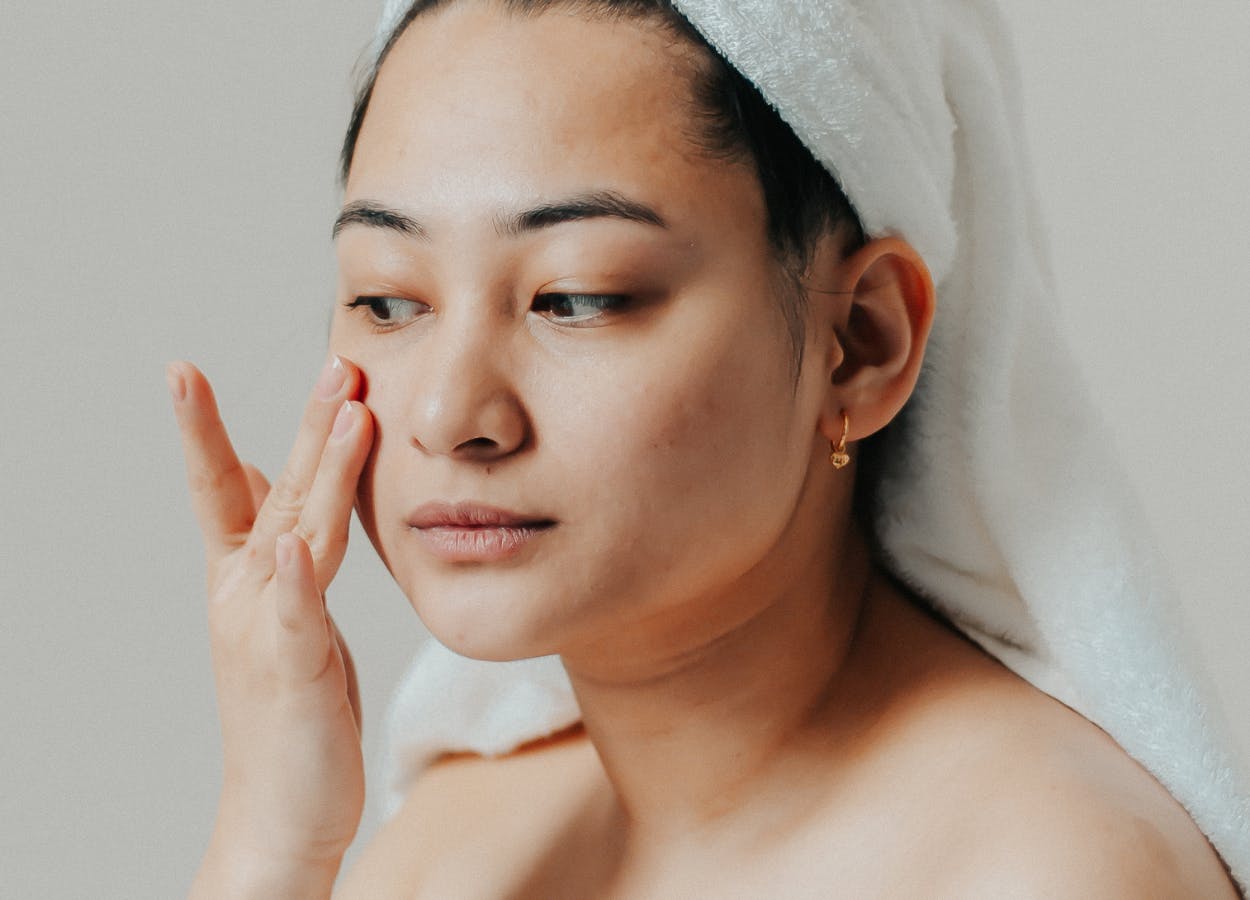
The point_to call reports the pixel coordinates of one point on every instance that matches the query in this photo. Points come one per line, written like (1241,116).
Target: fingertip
(176,380)
(186,382)
(346,363)
(298,600)
(355,377)
(363,415)
(286,549)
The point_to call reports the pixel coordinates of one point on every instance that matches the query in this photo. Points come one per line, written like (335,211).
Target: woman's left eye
(389,312)
(578,309)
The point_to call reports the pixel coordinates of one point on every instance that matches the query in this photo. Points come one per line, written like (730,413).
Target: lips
(473,532)
(472,515)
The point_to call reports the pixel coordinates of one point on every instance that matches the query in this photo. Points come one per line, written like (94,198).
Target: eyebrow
(374,215)
(592,205)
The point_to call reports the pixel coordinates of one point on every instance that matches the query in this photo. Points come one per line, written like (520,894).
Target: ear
(879,336)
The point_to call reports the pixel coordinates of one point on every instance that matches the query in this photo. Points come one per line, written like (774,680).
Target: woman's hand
(293,785)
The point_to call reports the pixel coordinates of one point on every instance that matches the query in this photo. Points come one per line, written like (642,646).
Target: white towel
(999,502)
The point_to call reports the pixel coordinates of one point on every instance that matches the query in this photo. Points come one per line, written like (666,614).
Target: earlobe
(880,338)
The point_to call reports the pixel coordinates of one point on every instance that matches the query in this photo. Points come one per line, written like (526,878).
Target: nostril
(478,448)
(486,449)
(478,443)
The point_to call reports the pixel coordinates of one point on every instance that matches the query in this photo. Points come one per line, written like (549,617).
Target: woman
(607,339)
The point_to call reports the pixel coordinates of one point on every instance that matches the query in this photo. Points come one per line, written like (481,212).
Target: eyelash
(381,310)
(601,303)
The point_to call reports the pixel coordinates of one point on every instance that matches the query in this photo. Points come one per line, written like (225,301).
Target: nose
(465,403)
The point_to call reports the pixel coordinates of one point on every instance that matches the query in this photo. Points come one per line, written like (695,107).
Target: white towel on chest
(998,502)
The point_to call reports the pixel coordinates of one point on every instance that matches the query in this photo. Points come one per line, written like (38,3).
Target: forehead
(473,98)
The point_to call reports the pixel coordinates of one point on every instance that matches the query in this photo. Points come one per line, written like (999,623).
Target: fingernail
(177,384)
(331,380)
(343,421)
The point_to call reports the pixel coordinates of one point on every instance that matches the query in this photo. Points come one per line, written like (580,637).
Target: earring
(839,457)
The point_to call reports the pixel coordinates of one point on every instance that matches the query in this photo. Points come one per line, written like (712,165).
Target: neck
(691,734)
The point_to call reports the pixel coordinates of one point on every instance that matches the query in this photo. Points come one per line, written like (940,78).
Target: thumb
(304,637)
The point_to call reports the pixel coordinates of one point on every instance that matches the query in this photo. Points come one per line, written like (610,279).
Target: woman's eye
(574,309)
(388,312)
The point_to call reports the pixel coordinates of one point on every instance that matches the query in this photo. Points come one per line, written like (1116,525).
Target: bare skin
(969,783)
(764,711)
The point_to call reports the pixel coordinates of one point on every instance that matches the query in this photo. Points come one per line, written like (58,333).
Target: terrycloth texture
(447,703)
(999,502)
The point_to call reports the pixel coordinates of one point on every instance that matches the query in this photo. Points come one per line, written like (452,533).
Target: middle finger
(339,381)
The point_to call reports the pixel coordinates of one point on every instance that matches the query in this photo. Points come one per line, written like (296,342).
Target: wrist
(236,870)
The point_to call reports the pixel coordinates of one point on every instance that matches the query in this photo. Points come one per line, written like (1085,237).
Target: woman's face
(577,323)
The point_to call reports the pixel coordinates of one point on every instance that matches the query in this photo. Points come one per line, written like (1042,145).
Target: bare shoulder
(1064,843)
(1024,797)
(469,823)
(1070,814)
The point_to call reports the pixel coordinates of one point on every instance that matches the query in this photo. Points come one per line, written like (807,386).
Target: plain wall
(167,177)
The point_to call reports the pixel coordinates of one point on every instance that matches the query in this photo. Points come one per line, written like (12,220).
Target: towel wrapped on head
(997,502)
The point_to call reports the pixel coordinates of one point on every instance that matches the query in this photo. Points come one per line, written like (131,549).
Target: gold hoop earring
(839,457)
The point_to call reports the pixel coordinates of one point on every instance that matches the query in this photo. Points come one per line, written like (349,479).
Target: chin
(484,624)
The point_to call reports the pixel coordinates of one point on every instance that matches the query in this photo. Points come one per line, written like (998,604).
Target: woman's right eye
(388,312)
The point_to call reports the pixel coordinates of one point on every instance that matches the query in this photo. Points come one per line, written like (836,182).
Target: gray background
(166,171)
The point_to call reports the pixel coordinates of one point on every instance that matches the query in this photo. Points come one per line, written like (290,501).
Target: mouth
(472,532)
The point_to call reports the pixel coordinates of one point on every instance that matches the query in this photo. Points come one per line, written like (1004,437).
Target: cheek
(675,468)
(698,451)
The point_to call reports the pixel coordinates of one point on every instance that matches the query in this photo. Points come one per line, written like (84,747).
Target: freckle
(488,470)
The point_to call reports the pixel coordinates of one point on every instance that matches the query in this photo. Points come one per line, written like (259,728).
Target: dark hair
(734,122)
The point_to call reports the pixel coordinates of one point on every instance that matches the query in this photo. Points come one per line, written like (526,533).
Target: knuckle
(308,533)
(287,496)
(323,543)
(207,481)
(251,560)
